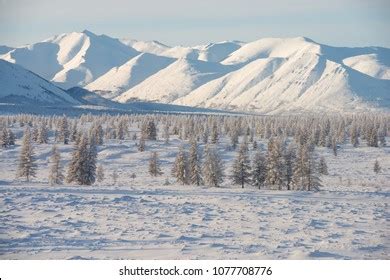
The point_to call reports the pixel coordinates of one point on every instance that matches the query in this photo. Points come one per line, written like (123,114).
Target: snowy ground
(142,218)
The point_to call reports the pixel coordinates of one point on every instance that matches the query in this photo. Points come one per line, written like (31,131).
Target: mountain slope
(19,85)
(306,82)
(271,47)
(73,58)
(120,79)
(176,80)
(270,75)
(369,64)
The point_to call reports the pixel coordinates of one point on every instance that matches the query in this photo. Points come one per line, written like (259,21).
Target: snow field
(142,218)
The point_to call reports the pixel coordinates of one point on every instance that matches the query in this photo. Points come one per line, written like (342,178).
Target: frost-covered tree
(121,129)
(275,164)
(354,135)
(4,142)
(90,163)
(195,171)
(154,165)
(43,134)
(166,133)
(141,145)
(63,132)
(372,136)
(323,167)
(97,132)
(56,176)
(100,173)
(74,132)
(382,136)
(150,130)
(205,136)
(259,170)
(234,138)
(74,164)
(82,167)
(34,134)
(180,167)
(334,146)
(214,133)
(212,168)
(289,159)
(114,177)
(306,172)
(27,166)
(11,137)
(241,167)
(377,167)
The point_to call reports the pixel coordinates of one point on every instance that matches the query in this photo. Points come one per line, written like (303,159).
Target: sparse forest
(286,158)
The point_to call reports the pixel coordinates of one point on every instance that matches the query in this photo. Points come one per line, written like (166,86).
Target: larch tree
(180,167)
(154,165)
(82,167)
(4,142)
(214,133)
(43,134)
(27,166)
(194,164)
(289,158)
(241,166)
(377,167)
(151,130)
(166,133)
(63,131)
(90,175)
(275,164)
(11,137)
(323,167)
(56,176)
(259,170)
(212,168)
(73,173)
(141,145)
(306,171)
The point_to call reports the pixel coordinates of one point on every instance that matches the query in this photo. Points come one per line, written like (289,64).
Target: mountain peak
(88,33)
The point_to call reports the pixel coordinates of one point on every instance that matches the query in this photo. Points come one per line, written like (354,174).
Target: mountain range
(270,75)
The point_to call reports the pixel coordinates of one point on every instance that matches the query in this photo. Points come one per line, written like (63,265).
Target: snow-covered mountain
(73,58)
(21,86)
(119,79)
(213,52)
(175,81)
(269,75)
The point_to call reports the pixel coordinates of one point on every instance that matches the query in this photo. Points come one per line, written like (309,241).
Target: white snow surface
(176,80)
(20,85)
(72,59)
(270,75)
(369,64)
(142,218)
(120,79)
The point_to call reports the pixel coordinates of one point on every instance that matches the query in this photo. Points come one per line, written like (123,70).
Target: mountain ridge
(269,75)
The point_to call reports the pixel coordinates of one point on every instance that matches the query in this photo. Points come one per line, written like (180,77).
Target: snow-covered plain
(143,218)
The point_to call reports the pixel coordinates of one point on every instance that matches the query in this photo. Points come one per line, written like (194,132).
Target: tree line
(289,161)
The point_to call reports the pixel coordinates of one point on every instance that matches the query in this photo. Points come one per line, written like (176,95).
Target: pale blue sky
(333,22)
